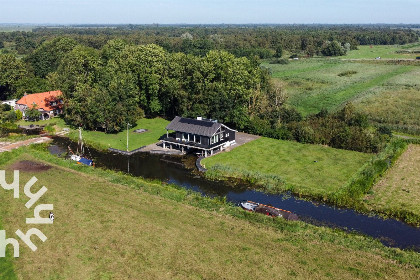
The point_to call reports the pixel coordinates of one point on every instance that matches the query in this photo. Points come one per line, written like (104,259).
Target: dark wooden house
(204,135)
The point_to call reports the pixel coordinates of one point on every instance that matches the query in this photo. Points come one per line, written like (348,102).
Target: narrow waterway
(171,169)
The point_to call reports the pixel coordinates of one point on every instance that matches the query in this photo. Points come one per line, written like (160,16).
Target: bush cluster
(345,129)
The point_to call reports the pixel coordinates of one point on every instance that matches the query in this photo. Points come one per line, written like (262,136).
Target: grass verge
(133,228)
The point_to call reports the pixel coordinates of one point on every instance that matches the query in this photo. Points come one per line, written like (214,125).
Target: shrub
(384,130)
(49,128)
(347,73)
(369,174)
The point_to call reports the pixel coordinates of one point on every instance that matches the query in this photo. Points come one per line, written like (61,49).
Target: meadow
(389,93)
(409,51)
(113,226)
(399,189)
(303,168)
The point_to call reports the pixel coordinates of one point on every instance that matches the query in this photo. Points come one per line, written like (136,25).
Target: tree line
(121,82)
(248,40)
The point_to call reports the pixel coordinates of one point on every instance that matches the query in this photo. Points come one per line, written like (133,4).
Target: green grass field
(387,93)
(310,169)
(399,189)
(113,226)
(385,52)
(155,127)
(395,103)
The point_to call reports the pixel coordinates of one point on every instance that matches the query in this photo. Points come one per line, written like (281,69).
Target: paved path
(242,138)
(8,146)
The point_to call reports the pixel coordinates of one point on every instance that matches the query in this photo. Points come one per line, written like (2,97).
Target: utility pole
(127,135)
(128,161)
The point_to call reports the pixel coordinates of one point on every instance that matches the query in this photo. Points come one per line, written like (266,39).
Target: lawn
(101,140)
(105,230)
(310,169)
(399,189)
(57,121)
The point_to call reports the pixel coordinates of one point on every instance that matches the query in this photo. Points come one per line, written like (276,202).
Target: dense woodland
(111,76)
(242,40)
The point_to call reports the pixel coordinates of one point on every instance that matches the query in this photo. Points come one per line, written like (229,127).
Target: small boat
(82,160)
(79,157)
(268,210)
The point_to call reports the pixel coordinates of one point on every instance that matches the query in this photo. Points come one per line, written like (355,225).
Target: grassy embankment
(6,264)
(389,94)
(337,176)
(132,228)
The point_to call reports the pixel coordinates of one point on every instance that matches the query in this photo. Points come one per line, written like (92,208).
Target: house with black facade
(204,135)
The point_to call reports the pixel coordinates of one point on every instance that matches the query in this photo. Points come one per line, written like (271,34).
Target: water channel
(171,169)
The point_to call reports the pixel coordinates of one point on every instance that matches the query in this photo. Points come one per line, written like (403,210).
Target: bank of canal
(171,169)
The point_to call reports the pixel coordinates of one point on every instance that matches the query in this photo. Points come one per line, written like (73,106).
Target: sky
(208,12)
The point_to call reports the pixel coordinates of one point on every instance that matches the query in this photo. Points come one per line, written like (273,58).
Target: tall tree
(12,70)
(47,57)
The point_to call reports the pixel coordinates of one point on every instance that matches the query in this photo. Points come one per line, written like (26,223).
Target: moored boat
(80,158)
(268,210)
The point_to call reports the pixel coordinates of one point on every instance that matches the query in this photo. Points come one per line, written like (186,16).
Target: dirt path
(406,137)
(8,146)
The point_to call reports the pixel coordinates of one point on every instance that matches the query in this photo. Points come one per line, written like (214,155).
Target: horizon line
(183,23)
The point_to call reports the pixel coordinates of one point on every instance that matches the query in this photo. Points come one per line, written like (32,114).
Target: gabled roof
(199,127)
(42,100)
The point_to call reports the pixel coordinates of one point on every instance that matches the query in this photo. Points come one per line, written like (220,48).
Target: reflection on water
(171,169)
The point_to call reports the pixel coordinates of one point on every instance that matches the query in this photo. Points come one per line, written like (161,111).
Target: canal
(171,169)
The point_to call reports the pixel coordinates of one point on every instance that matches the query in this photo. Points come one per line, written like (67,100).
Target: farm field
(106,230)
(384,52)
(399,189)
(309,169)
(395,103)
(388,93)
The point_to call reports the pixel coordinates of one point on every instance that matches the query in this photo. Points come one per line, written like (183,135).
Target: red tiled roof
(42,100)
